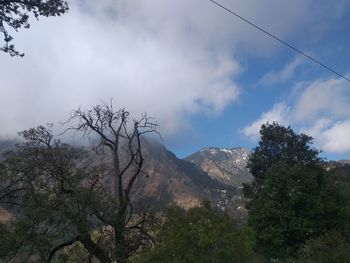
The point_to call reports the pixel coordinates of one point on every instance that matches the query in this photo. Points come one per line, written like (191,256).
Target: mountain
(227,166)
(167,179)
(172,180)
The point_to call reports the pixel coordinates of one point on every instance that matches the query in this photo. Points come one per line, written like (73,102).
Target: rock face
(227,166)
(172,180)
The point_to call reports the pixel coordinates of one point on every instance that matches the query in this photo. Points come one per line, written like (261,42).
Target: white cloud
(331,136)
(321,109)
(318,127)
(140,58)
(336,138)
(277,77)
(279,113)
(323,98)
(171,59)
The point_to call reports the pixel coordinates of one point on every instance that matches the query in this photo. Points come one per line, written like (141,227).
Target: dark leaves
(14,14)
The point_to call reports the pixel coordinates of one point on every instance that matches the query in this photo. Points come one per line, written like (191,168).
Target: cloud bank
(172,59)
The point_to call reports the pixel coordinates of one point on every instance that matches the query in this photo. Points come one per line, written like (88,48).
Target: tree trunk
(95,250)
(122,252)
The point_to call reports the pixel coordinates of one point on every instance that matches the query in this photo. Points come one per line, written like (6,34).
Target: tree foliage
(293,198)
(201,234)
(339,196)
(60,195)
(292,207)
(278,143)
(52,197)
(15,14)
(330,247)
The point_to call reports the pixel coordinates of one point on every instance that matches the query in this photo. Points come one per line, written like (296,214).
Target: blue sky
(259,96)
(207,77)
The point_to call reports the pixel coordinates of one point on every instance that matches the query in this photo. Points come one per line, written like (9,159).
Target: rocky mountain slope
(167,179)
(212,174)
(224,165)
(170,179)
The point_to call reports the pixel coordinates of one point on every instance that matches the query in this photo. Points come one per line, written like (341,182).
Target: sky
(208,78)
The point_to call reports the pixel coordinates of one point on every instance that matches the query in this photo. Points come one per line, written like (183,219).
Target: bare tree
(113,133)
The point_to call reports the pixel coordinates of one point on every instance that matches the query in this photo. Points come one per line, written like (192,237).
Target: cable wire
(280,40)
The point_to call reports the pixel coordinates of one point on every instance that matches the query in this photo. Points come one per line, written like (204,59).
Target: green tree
(293,198)
(14,14)
(200,234)
(292,207)
(278,143)
(331,247)
(53,196)
(339,196)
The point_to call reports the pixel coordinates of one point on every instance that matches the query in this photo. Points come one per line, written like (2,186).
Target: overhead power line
(280,40)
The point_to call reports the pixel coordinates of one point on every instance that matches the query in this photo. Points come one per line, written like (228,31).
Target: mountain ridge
(226,165)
